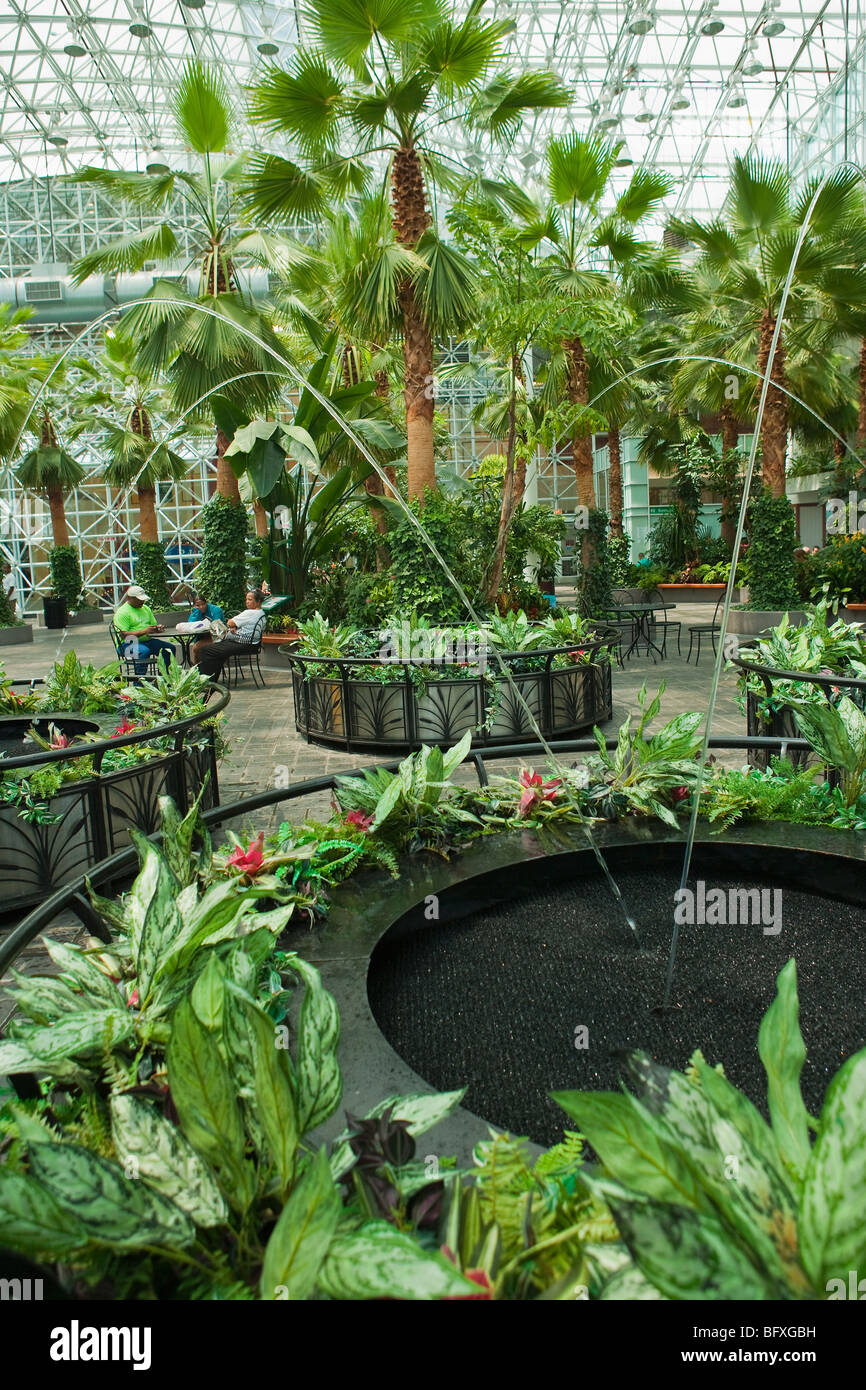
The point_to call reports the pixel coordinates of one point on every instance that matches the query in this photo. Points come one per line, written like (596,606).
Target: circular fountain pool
(498,1000)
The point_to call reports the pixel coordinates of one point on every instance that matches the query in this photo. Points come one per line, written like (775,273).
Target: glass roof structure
(685,85)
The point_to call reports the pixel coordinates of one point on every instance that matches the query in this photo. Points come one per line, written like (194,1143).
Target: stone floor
(266,751)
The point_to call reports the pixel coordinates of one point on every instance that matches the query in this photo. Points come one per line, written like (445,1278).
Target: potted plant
(12,630)
(772,568)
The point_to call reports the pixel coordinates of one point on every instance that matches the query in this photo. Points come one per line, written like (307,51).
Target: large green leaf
(154,919)
(82,1034)
(208,994)
(299,1241)
(632,1147)
(331,495)
(833,1204)
(205,1096)
(387,802)
(318,1080)
(156,1151)
(113,1209)
(32,1222)
(378,1261)
(783,1052)
(202,107)
(94,984)
(274,1092)
(347,28)
(685,1254)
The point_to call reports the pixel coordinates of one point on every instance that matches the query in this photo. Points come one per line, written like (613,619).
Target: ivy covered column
(221,574)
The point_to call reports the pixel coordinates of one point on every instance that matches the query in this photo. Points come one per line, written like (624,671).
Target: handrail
(71,897)
(101,746)
(587,646)
(815,677)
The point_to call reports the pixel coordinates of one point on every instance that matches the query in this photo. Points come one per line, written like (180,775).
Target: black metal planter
(91,818)
(782,724)
(350,712)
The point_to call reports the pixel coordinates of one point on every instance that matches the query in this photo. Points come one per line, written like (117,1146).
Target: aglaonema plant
(170,1151)
(711,1201)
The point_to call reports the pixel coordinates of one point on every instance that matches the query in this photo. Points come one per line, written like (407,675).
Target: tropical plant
(218,337)
(772,541)
(210,1199)
(582,227)
(640,774)
(837,732)
(392,78)
(20,373)
(151,573)
(789,1226)
(48,469)
(74,686)
(131,410)
(745,256)
(65,571)
(221,571)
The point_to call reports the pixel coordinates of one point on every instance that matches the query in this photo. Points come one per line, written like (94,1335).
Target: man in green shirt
(135,620)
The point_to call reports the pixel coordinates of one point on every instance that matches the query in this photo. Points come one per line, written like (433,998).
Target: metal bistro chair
(130,663)
(664,622)
(700,630)
(248,654)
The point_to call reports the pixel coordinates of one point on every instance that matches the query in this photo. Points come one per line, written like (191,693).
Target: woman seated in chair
(245,630)
(200,612)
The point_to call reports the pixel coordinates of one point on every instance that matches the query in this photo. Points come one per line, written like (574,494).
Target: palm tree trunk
(861,402)
(615,481)
(261,518)
(227,483)
(520,475)
(730,430)
(147,522)
(506,511)
(774,427)
(410,220)
(374,487)
(730,502)
(59,527)
(581,444)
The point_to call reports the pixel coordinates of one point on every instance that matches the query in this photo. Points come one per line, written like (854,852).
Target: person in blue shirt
(201,609)
(644,561)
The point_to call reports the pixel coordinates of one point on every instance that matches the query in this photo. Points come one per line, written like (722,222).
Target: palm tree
(126,404)
(20,374)
(198,352)
(49,470)
(746,255)
(589,235)
(392,79)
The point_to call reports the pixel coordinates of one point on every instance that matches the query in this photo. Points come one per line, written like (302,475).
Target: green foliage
(81,688)
(7,612)
(714,1203)
(221,573)
(842,564)
(151,573)
(594,572)
(65,575)
(772,541)
(225,1196)
(618,551)
(779,792)
(641,773)
(838,734)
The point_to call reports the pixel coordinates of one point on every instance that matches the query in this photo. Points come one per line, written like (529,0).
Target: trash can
(54,612)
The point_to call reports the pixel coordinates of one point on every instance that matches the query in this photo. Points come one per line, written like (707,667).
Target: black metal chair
(701,630)
(130,664)
(665,622)
(248,655)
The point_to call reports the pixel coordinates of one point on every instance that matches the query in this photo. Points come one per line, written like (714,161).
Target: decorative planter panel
(15,636)
(403,712)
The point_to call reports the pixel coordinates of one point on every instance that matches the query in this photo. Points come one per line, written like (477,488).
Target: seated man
(136,625)
(245,629)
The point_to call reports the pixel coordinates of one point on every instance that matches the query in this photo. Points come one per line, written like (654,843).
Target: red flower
(679,793)
(535,789)
(133,999)
(358,819)
(249,861)
(60,741)
(125,727)
(475,1276)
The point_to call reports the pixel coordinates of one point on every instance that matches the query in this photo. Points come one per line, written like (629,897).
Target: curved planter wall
(91,818)
(398,714)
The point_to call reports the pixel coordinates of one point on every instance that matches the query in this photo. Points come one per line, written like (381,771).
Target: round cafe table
(186,640)
(641,615)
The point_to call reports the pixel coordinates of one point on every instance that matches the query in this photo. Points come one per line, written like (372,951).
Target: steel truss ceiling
(685,85)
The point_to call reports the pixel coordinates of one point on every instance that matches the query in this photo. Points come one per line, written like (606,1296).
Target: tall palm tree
(131,410)
(393,78)
(48,469)
(588,235)
(746,254)
(20,375)
(198,353)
